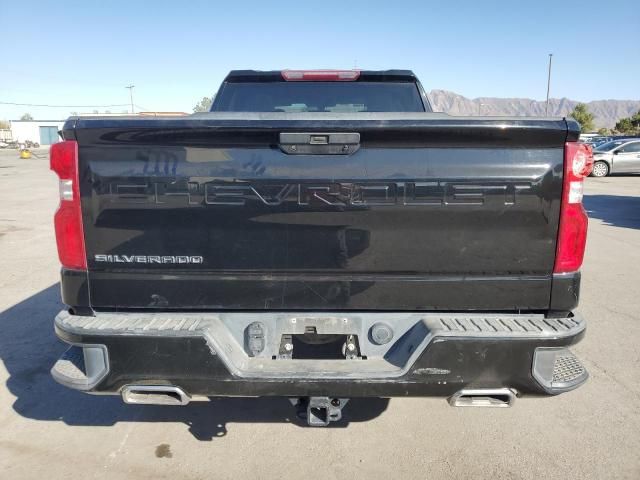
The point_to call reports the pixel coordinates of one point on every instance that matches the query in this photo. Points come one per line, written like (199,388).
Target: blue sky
(84,53)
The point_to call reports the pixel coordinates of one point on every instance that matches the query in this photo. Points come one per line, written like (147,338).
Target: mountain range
(606,112)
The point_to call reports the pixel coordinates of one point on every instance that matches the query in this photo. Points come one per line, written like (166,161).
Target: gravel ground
(48,431)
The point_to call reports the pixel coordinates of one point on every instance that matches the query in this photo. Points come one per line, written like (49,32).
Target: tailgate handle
(319,139)
(318,143)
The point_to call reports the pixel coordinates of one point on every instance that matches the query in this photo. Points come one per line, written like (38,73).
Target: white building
(45,132)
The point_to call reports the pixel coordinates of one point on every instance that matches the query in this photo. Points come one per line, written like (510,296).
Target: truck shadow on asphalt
(614,210)
(29,348)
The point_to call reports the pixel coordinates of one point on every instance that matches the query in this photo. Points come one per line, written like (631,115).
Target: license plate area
(311,345)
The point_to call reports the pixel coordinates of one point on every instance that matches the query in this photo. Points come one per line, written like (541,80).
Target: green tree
(630,124)
(203,105)
(26,117)
(583,117)
(624,125)
(604,131)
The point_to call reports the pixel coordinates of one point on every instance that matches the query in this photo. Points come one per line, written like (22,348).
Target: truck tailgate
(424,212)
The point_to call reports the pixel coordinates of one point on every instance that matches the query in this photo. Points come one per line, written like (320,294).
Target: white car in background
(617,156)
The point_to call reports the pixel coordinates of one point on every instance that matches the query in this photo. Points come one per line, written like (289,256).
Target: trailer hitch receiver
(319,411)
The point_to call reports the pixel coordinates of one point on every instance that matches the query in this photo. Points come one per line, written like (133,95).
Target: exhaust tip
(483,397)
(154,395)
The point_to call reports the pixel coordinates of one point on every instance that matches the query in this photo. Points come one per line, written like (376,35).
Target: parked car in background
(586,137)
(597,141)
(617,156)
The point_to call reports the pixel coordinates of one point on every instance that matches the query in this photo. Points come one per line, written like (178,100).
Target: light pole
(546,110)
(480,108)
(130,87)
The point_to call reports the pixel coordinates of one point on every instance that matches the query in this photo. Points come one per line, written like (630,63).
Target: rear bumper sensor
(558,370)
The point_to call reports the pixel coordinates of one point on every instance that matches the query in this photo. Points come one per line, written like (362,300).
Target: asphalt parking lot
(49,431)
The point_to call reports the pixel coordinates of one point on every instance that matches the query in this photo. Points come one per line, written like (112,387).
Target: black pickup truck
(320,235)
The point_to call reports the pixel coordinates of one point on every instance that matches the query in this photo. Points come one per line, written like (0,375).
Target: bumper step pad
(81,367)
(567,369)
(558,370)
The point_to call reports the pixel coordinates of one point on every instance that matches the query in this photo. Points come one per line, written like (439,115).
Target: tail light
(68,218)
(572,233)
(320,75)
